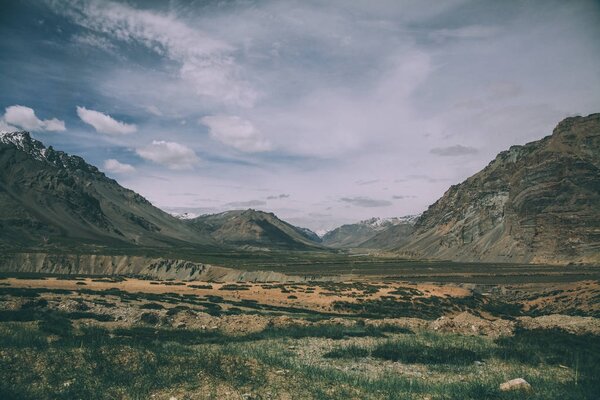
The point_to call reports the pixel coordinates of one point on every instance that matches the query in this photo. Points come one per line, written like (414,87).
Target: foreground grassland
(106,338)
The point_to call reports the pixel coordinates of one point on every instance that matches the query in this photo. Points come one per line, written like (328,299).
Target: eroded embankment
(155,268)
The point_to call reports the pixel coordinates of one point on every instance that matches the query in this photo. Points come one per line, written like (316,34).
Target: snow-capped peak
(378,223)
(185,215)
(22,141)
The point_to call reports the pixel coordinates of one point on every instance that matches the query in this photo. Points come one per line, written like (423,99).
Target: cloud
(112,165)
(420,177)
(6,127)
(25,118)
(465,32)
(454,151)
(236,132)
(154,110)
(173,155)
(205,63)
(95,41)
(104,123)
(365,202)
(367,182)
(249,203)
(281,196)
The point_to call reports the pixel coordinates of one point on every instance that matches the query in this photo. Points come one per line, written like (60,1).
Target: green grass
(134,363)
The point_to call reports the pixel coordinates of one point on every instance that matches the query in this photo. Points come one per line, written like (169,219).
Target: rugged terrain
(49,199)
(55,201)
(535,203)
(369,233)
(115,337)
(252,229)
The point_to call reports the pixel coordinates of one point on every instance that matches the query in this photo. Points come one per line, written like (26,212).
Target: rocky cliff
(534,203)
(148,267)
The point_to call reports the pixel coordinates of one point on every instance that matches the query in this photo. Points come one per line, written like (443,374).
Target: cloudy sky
(324,112)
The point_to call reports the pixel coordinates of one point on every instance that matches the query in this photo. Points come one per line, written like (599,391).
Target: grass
(50,358)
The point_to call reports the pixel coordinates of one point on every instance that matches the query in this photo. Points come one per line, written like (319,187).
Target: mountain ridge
(538,202)
(49,197)
(255,229)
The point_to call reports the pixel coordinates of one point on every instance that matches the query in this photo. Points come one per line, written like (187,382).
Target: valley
(373,337)
(103,295)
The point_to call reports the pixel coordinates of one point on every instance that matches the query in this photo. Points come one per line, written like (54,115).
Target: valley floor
(369,338)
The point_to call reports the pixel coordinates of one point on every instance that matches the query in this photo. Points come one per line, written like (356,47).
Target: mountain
(534,203)
(255,230)
(51,199)
(355,235)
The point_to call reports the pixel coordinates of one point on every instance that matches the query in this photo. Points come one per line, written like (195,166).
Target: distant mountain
(360,233)
(534,203)
(255,230)
(50,198)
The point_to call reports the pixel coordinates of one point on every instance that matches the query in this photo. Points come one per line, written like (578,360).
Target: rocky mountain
(254,229)
(49,198)
(534,203)
(361,233)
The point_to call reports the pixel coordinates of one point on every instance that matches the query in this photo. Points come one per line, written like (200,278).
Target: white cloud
(465,32)
(362,201)
(25,118)
(236,132)
(249,203)
(170,154)
(152,109)
(112,165)
(454,151)
(104,123)
(6,127)
(95,41)
(206,63)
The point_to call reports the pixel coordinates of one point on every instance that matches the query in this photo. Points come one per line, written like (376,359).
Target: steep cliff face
(50,198)
(534,203)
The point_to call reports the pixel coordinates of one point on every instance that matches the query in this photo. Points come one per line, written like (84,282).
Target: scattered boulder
(516,384)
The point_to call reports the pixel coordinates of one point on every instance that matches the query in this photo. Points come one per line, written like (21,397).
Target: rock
(516,384)
(469,324)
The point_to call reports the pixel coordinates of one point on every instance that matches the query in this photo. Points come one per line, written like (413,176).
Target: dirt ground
(578,299)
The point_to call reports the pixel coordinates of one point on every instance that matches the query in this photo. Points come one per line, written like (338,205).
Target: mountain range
(538,203)
(369,233)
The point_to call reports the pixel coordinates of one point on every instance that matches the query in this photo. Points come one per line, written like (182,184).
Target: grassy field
(200,340)
(332,263)
(48,358)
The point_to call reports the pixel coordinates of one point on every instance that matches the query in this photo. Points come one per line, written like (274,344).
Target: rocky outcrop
(155,268)
(535,203)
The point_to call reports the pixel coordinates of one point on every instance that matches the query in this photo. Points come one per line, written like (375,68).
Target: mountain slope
(355,235)
(254,229)
(391,236)
(48,198)
(534,203)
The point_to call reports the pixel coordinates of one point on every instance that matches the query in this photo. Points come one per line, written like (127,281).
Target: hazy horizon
(323,113)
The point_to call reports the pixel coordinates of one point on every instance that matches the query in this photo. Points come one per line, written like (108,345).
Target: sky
(323,112)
